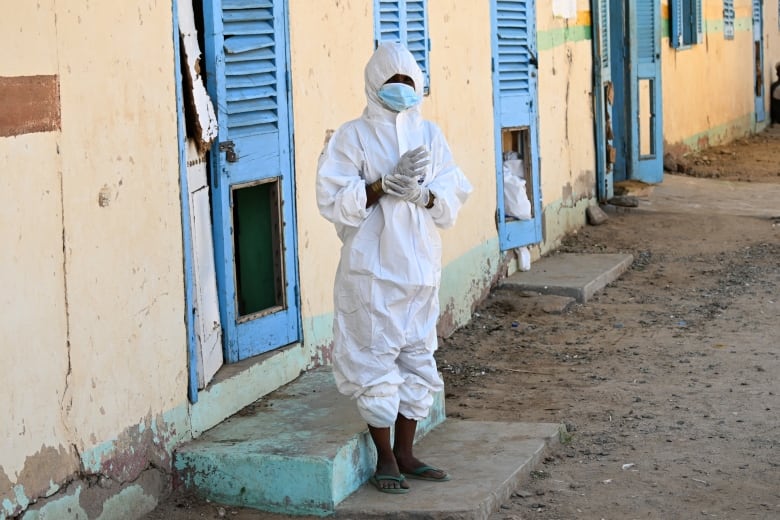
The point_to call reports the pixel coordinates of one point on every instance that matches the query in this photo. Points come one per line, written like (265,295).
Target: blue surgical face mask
(398,96)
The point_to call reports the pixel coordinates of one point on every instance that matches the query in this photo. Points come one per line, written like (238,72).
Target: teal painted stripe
(478,266)
(720,134)
(740,24)
(167,432)
(318,330)
(546,40)
(713,26)
(552,38)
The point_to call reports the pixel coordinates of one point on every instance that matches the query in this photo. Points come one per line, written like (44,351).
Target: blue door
(515,112)
(758,59)
(603,97)
(647,110)
(251,175)
(635,39)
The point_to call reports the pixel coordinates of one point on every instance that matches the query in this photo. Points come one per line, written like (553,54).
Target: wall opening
(518,186)
(646,119)
(257,237)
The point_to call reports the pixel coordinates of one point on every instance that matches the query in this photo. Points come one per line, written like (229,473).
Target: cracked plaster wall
(91,317)
(566,128)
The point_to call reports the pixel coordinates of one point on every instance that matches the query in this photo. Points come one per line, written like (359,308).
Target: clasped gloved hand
(412,163)
(406,188)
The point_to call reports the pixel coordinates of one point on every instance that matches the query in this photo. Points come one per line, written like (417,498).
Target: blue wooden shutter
(387,20)
(604,39)
(699,21)
(405,21)
(756,11)
(646,42)
(676,29)
(250,68)
(417,36)
(728,19)
(514,65)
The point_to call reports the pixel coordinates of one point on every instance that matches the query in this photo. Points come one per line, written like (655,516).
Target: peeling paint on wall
(141,454)
(42,475)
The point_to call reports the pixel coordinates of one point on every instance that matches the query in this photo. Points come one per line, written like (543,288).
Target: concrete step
(575,275)
(486,460)
(300,450)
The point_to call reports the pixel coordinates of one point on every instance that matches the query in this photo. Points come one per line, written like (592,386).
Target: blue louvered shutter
(514,61)
(699,21)
(645,33)
(387,20)
(250,68)
(728,19)
(676,29)
(604,39)
(417,36)
(405,21)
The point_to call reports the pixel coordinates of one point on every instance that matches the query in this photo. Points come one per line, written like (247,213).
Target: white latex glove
(406,188)
(413,163)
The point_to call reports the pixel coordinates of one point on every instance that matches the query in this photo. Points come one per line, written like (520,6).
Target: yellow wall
(566,126)
(119,139)
(92,313)
(708,92)
(328,90)
(32,310)
(459,103)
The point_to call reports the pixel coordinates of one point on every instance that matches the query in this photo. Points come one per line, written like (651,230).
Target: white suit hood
(389,59)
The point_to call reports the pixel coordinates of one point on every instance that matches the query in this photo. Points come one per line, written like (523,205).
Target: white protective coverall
(386,300)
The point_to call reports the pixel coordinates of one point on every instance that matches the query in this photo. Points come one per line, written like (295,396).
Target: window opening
(518,188)
(259,263)
(646,118)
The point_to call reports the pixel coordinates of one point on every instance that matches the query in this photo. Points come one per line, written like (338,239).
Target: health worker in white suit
(386,181)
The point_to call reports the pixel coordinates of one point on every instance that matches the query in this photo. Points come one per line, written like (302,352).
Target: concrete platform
(577,276)
(486,460)
(302,450)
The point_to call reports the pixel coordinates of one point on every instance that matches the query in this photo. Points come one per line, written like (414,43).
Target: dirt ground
(667,380)
(750,159)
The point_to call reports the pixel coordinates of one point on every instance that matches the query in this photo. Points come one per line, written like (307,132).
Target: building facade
(165,263)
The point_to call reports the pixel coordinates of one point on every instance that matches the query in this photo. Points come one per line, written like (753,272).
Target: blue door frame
(246,51)
(513,42)
(189,297)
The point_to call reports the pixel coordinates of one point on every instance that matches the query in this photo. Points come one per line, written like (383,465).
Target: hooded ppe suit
(386,288)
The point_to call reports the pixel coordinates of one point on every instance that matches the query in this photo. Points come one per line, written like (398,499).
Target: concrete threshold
(575,275)
(486,460)
(304,450)
(300,450)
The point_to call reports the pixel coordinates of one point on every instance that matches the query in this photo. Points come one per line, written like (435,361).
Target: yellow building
(136,136)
